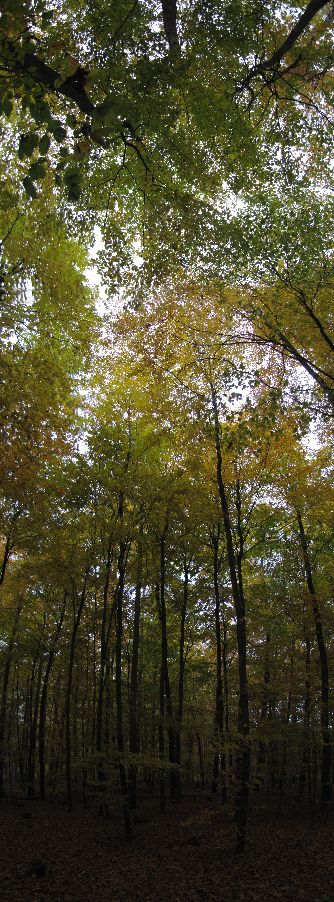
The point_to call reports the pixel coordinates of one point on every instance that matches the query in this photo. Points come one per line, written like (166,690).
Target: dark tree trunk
(108,702)
(93,738)
(164,666)
(134,726)
(261,756)
(182,662)
(43,703)
(77,612)
(219,755)
(161,739)
(9,546)
(169,15)
(305,773)
(101,684)
(324,713)
(3,705)
(200,760)
(235,568)
(226,687)
(122,558)
(33,733)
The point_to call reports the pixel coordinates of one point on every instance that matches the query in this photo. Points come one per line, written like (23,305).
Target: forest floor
(185,855)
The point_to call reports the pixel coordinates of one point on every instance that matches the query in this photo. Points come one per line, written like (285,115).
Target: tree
(166,536)
(128,102)
(284,291)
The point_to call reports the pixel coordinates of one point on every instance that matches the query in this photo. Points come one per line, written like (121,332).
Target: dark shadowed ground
(186,854)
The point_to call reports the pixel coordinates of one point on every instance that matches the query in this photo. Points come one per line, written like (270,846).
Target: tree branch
(313,7)
(47,76)
(169,15)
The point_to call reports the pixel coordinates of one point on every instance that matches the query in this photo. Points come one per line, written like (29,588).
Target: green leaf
(72,175)
(40,111)
(29,82)
(29,187)
(58,130)
(74,192)
(7,106)
(72,179)
(44,144)
(71,120)
(27,145)
(47,16)
(37,170)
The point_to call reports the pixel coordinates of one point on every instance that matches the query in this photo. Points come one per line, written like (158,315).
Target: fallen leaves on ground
(185,855)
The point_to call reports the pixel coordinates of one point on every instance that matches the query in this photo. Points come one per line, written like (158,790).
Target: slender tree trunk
(200,759)
(108,705)
(229,756)
(261,755)
(235,568)
(9,546)
(43,702)
(324,713)
(83,720)
(283,775)
(134,726)
(161,739)
(94,714)
(164,665)
(33,734)
(148,771)
(118,673)
(315,372)
(77,612)
(101,683)
(6,556)
(3,704)
(182,662)
(20,733)
(305,773)
(219,756)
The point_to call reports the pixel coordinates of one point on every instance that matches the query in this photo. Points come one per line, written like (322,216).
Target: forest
(166,432)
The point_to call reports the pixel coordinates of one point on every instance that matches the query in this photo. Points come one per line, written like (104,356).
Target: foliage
(166,469)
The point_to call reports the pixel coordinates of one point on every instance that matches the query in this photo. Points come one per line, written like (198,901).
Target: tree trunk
(235,568)
(76,622)
(261,755)
(181,682)
(324,713)
(9,546)
(3,705)
(134,727)
(164,666)
(43,702)
(305,772)
(118,674)
(101,684)
(33,734)
(200,760)
(219,756)
(161,739)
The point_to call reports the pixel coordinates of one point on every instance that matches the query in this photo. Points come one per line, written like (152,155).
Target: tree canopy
(166,501)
